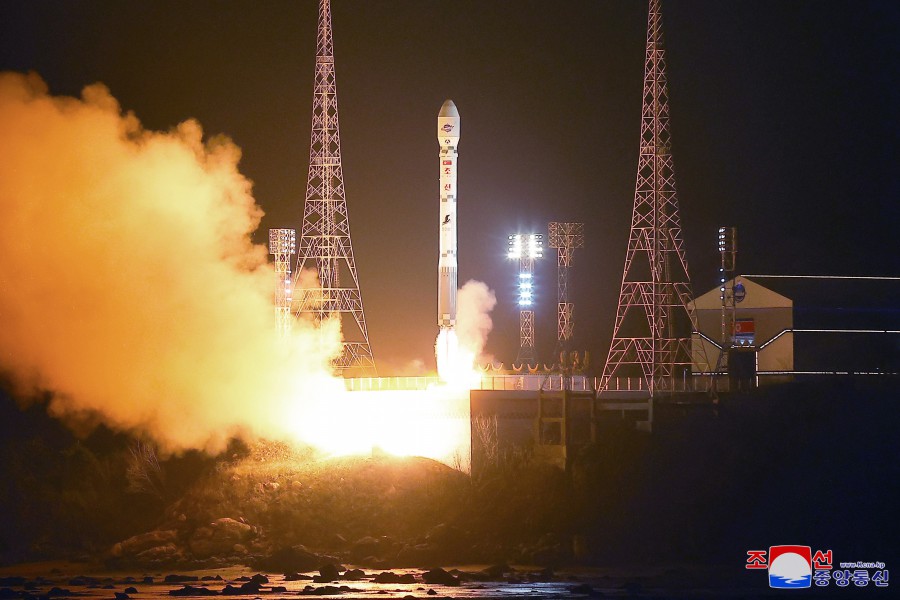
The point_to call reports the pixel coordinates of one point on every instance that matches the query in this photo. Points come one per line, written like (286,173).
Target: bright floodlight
(535,245)
(515,247)
(526,245)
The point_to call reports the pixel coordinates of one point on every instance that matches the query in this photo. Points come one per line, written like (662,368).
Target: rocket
(448,138)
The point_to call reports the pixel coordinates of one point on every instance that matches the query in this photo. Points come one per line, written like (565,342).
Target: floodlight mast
(526,248)
(282,244)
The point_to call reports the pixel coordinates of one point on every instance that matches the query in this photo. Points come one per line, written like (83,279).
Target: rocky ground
(39,581)
(278,510)
(799,464)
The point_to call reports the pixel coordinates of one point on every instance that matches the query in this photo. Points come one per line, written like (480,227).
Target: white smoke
(129,285)
(475,301)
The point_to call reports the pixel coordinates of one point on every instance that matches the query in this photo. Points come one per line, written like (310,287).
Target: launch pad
(547,417)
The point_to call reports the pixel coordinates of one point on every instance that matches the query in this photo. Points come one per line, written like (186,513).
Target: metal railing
(371,384)
(696,382)
(509,383)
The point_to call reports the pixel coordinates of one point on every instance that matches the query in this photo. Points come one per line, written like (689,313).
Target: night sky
(784,122)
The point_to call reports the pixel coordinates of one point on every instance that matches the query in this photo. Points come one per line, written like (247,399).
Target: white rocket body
(448,138)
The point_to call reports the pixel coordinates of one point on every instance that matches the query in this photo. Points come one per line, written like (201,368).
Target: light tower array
(325,234)
(565,237)
(654,320)
(526,248)
(282,244)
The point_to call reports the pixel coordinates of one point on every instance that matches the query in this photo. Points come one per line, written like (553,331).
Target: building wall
(771,314)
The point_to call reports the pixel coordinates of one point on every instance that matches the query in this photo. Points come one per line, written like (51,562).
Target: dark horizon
(783,120)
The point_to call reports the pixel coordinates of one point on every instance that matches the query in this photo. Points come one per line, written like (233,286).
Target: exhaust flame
(457,349)
(432,423)
(456,365)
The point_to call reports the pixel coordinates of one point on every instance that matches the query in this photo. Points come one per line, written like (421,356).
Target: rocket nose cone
(448,109)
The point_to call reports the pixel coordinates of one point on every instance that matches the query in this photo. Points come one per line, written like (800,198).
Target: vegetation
(802,463)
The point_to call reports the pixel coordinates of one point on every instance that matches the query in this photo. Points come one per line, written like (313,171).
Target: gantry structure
(566,238)
(325,233)
(654,320)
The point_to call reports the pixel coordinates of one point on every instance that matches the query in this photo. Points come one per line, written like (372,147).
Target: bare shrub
(143,472)
(488,442)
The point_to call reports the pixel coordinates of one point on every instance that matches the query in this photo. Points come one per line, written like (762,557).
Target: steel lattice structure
(325,233)
(526,354)
(565,237)
(524,249)
(654,321)
(282,244)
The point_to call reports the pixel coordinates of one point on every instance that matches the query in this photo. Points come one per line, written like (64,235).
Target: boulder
(168,553)
(139,543)
(326,590)
(190,590)
(419,555)
(327,573)
(448,536)
(292,559)
(219,538)
(249,588)
(440,576)
(391,577)
(365,547)
(498,571)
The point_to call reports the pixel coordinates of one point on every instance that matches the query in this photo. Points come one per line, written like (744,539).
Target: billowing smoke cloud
(129,286)
(474,302)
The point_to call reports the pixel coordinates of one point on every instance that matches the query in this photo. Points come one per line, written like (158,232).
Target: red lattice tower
(566,238)
(654,321)
(325,233)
